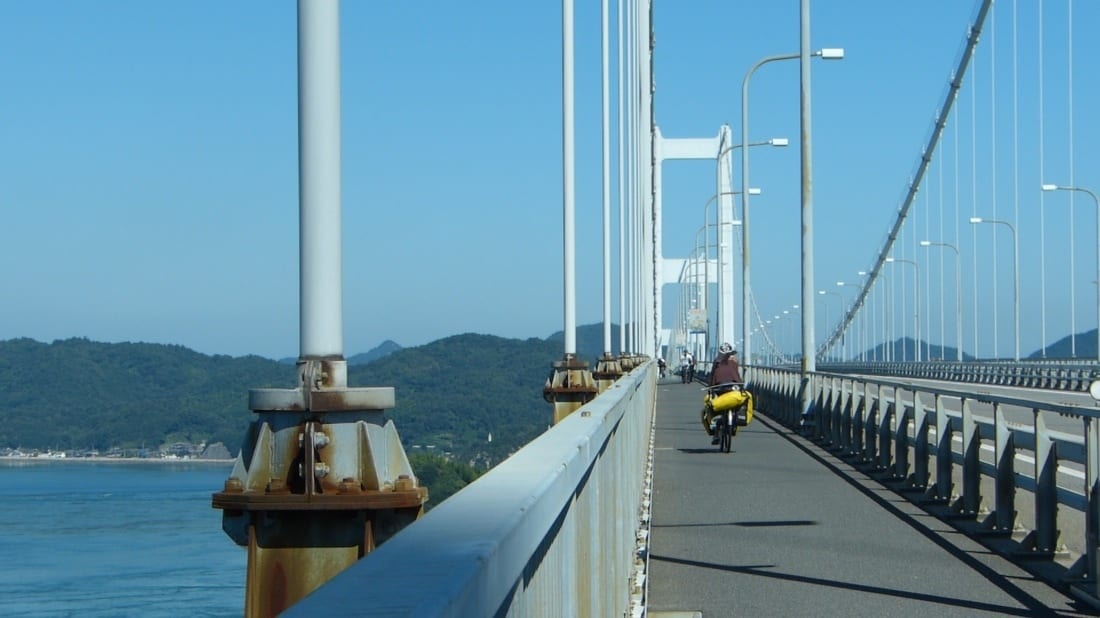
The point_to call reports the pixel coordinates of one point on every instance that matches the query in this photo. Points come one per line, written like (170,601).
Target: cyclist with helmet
(726,372)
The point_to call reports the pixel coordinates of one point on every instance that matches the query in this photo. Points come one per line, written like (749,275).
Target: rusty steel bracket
(322,478)
(569,386)
(608,370)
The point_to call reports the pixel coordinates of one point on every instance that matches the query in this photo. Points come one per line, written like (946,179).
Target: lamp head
(926,243)
(975,219)
(822,292)
(779,141)
(754,191)
(831,53)
(1047,187)
(889,259)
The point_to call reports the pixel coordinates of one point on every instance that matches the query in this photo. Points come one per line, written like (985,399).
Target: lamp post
(958,294)
(717,223)
(706,258)
(823,293)
(916,298)
(865,312)
(746,290)
(1096,200)
(1016,280)
(846,345)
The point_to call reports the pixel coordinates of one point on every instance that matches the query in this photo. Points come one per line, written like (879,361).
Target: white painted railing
(1011,467)
(551,531)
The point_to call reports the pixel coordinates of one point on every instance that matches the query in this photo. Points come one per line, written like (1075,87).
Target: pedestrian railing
(941,444)
(1062,375)
(557,529)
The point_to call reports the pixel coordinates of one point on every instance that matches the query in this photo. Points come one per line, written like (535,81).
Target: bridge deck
(778,527)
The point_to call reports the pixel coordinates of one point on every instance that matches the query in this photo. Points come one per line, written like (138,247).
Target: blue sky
(148,162)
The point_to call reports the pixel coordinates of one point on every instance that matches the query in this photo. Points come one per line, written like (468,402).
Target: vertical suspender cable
(1042,199)
(1015,120)
(619,176)
(1072,227)
(974,205)
(958,236)
(943,338)
(993,156)
(606,97)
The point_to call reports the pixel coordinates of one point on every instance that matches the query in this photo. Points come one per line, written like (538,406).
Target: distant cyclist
(685,367)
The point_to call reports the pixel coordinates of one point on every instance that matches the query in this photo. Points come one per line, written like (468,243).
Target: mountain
(385,348)
(905,350)
(1085,348)
(76,394)
(451,394)
(589,342)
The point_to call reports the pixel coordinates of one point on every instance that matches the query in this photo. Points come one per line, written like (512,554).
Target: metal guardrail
(1073,375)
(551,531)
(914,436)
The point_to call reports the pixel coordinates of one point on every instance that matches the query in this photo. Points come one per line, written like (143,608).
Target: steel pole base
(607,372)
(321,479)
(569,387)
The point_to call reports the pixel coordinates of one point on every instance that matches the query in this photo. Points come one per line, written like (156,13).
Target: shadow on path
(1033,608)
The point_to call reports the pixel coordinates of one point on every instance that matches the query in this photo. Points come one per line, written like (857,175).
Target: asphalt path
(780,528)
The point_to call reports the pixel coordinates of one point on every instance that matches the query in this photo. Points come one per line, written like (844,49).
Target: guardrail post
(884,430)
(870,428)
(1043,540)
(971,499)
(942,488)
(919,479)
(844,431)
(1004,514)
(901,437)
(856,447)
(1092,489)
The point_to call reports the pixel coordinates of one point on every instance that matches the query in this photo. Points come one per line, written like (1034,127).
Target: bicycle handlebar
(740,385)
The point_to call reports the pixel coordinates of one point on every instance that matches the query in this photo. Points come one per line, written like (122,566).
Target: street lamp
(706,259)
(746,290)
(958,294)
(717,223)
(846,345)
(1096,200)
(823,293)
(916,298)
(1016,280)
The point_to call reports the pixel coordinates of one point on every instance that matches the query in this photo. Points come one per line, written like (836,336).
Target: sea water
(116,539)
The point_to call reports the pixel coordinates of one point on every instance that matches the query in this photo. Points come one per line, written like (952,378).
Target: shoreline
(10,460)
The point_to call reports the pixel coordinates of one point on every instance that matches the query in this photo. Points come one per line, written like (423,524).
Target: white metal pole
(621,171)
(808,362)
(567,177)
(320,292)
(606,68)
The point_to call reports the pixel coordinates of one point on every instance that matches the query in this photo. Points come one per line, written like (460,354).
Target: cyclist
(725,371)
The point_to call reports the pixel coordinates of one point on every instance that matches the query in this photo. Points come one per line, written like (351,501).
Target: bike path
(778,527)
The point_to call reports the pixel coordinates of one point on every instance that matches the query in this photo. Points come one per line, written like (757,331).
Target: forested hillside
(451,394)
